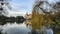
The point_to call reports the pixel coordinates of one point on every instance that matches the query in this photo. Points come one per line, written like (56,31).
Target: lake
(14,28)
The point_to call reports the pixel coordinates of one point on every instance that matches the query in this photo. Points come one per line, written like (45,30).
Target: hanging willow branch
(46,19)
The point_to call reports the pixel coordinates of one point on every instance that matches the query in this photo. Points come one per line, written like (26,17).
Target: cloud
(53,1)
(20,7)
(22,4)
(15,6)
(17,13)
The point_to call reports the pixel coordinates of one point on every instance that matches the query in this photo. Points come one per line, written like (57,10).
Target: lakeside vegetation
(4,19)
(45,18)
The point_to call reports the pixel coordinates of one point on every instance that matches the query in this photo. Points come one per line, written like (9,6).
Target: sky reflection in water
(15,29)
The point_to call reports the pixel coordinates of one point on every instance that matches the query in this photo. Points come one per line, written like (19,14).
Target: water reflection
(15,29)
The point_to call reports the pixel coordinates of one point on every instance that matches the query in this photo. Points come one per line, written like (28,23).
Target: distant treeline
(4,19)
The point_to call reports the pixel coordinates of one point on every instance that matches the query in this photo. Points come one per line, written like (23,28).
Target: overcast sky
(24,6)
(20,7)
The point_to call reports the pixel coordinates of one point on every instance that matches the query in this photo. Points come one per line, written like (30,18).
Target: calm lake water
(15,28)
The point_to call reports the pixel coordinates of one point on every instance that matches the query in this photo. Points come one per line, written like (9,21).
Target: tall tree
(45,14)
(4,6)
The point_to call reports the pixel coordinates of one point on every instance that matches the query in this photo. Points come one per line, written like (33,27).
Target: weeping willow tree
(43,17)
(37,20)
(56,16)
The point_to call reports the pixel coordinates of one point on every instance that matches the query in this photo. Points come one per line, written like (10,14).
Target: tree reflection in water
(15,29)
